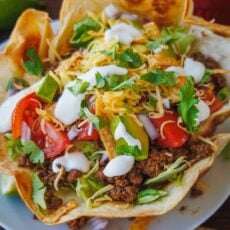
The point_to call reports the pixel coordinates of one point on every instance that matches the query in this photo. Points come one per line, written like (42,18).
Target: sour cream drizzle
(121,132)
(123,32)
(8,106)
(68,107)
(69,161)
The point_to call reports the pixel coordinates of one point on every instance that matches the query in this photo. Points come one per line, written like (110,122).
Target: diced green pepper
(47,89)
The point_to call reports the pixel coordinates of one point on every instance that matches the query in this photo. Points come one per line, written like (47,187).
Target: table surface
(221,219)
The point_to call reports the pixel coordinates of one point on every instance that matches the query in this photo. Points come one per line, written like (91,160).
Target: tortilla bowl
(73,11)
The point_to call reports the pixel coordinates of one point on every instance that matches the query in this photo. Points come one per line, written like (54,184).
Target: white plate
(15,216)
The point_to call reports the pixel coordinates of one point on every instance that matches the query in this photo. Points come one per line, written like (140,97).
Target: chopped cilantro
(125,85)
(80,37)
(177,38)
(152,102)
(79,87)
(152,45)
(128,57)
(160,77)
(98,121)
(187,106)
(36,155)
(33,65)
(38,190)
(131,58)
(14,147)
(100,80)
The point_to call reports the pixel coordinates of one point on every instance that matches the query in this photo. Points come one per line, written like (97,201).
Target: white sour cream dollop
(119,166)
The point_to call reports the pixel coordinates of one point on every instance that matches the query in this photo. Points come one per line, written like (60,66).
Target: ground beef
(126,194)
(125,187)
(52,201)
(154,164)
(25,162)
(47,176)
(73,175)
(218,80)
(78,223)
(198,151)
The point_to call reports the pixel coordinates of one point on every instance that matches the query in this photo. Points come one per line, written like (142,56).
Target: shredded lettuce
(170,174)
(150,195)
(38,191)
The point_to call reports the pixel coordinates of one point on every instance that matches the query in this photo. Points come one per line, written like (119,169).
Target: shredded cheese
(163,126)
(58,177)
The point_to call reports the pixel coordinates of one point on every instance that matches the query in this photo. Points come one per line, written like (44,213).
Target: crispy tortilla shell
(31,31)
(73,209)
(163,12)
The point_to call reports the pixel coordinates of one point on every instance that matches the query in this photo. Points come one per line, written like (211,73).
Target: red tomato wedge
(25,111)
(84,133)
(173,136)
(56,141)
(211,99)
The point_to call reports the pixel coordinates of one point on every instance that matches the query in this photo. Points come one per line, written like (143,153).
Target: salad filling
(141,88)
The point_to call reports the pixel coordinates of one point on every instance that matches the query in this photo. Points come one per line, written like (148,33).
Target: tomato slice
(173,136)
(56,141)
(25,110)
(211,99)
(84,136)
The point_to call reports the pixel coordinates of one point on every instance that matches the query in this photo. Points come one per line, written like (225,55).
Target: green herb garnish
(160,77)
(33,64)
(98,121)
(36,155)
(79,87)
(80,37)
(187,106)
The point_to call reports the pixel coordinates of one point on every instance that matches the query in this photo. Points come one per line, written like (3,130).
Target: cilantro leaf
(206,77)
(79,87)
(36,154)
(187,106)
(113,80)
(128,57)
(225,153)
(224,94)
(38,190)
(152,102)
(152,45)
(34,64)
(125,85)
(178,39)
(14,147)
(80,37)
(98,121)
(100,80)
(160,77)
(131,57)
